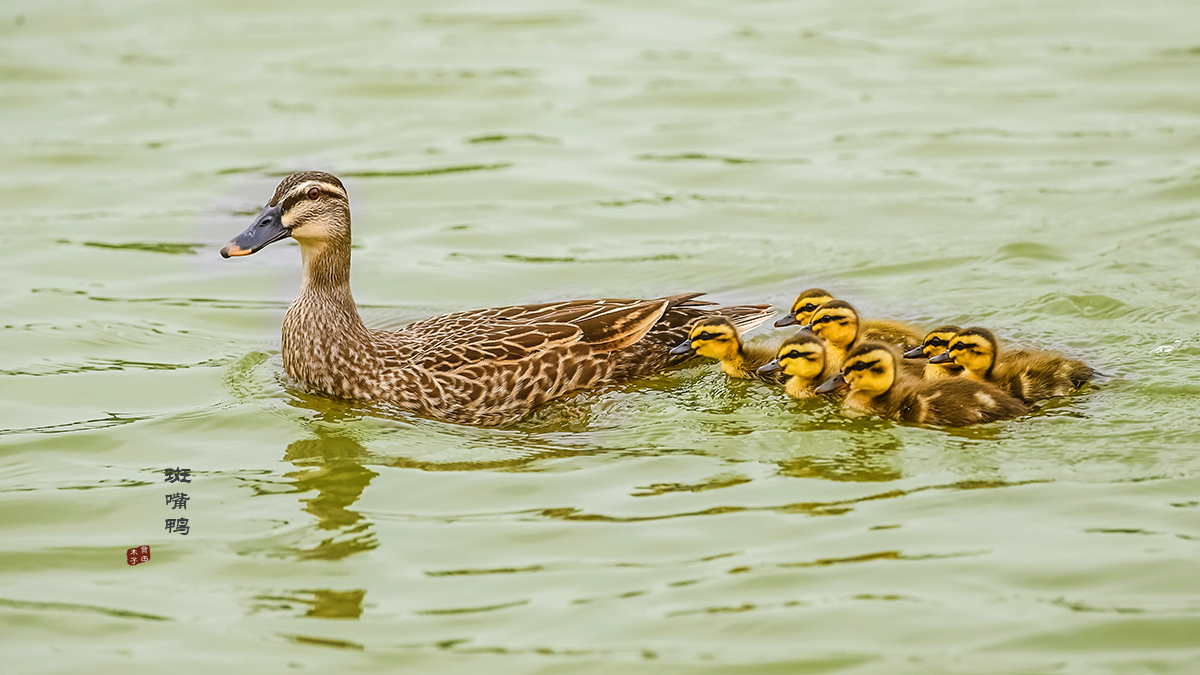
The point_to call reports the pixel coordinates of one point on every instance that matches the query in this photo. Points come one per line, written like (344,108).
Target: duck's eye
(313,192)
(937,342)
(807,308)
(792,355)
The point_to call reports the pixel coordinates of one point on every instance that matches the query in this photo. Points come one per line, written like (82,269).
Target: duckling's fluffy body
(1029,374)
(876,388)
(486,367)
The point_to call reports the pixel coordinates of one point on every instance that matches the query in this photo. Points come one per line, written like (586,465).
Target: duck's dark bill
(915,353)
(832,384)
(788,320)
(682,348)
(772,367)
(944,357)
(268,227)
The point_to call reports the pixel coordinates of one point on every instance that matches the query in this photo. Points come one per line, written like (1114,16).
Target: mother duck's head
(309,206)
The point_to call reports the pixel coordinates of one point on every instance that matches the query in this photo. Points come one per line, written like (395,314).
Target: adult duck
(485,367)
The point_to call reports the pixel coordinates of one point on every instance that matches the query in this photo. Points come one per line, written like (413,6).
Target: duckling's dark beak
(772,367)
(268,227)
(832,384)
(944,357)
(684,347)
(915,353)
(787,320)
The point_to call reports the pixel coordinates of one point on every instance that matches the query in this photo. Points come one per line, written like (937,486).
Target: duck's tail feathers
(747,317)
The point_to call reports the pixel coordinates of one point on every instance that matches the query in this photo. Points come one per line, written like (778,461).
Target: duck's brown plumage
(486,367)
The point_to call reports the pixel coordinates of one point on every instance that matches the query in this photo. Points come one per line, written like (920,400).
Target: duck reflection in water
(867,453)
(332,465)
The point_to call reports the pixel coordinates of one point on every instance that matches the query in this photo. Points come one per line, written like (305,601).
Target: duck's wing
(509,335)
(482,369)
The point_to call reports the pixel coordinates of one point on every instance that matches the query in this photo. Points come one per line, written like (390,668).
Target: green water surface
(1027,166)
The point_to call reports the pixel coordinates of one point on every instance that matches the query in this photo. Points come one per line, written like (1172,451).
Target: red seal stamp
(137,555)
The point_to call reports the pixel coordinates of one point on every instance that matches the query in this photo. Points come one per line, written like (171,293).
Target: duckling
(838,324)
(801,359)
(803,307)
(717,338)
(884,330)
(835,322)
(935,343)
(484,367)
(1029,374)
(876,388)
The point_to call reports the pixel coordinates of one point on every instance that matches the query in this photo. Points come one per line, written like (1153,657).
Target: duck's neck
(799,387)
(326,280)
(938,371)
(324,337)
(734,361)
(835,356)
(977,375)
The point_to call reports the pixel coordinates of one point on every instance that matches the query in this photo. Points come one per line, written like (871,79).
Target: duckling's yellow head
(974,349)
(801,356)
(804,306)
(870,368)
(714,337)
(936,341)
(310,206)
(836,322)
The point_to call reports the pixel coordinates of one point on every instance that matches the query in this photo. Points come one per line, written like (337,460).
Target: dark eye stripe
(291,199)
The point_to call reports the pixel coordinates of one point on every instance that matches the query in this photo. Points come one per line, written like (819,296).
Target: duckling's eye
(792,355)
(807,308)
(705,336)
(313,192)
(938,342)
